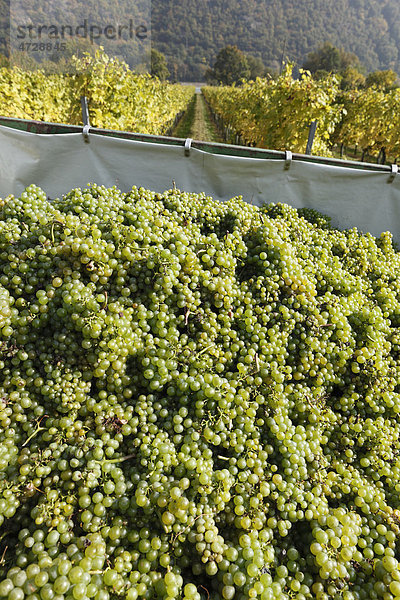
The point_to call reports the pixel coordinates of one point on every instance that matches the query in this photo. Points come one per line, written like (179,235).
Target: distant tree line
(232,66)
(328,59)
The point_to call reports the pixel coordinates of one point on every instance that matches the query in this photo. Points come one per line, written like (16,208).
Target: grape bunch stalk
(198,401)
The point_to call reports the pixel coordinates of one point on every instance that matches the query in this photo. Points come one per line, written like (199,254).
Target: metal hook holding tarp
(85,119)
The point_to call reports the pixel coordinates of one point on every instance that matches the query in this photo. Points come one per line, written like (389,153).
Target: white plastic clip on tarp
(188,145)
(85,119)
(288,159)
(395,170)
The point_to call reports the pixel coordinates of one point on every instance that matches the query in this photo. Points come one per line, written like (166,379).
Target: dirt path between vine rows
(197,123)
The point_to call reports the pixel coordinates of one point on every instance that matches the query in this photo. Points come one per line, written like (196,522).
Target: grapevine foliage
(197,400)
(371,121)
(277,114)
(118,98)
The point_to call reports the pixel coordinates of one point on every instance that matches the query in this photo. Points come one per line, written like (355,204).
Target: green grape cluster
(198,401)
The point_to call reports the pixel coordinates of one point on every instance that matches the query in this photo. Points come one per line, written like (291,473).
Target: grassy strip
(184,127)
(197,123)
(214,133)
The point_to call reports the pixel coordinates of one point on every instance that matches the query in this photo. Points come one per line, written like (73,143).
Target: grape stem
(206,590)
(52,228)
(2,559)
(35,432)
(205,349)
(186,528)
(106,300)
(116,460)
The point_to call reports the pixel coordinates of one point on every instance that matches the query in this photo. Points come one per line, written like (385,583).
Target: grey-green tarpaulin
(365,198)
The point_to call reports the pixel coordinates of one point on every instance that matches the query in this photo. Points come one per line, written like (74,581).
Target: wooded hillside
(191,33)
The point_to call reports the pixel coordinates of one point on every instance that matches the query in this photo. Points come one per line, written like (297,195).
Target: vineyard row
(277,114)
(119,99)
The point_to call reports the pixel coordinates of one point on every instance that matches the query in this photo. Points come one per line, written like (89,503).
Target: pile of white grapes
(198,401)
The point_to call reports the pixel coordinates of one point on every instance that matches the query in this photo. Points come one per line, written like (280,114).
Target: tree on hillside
(256,66)
(383,80)
(329,59)
(159,65)
(352,79)
(231,66)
